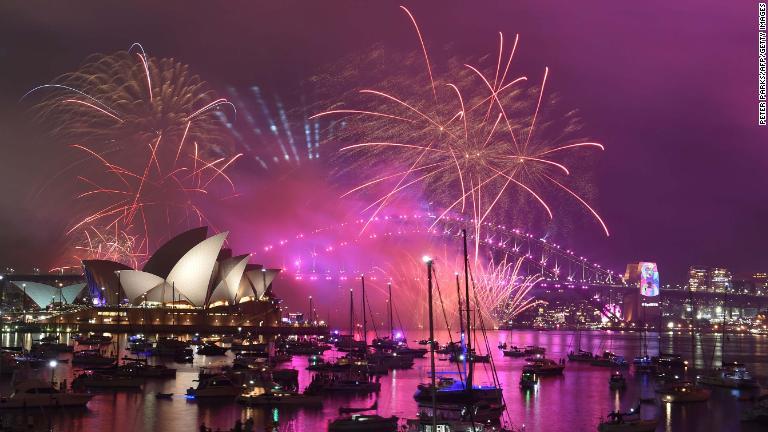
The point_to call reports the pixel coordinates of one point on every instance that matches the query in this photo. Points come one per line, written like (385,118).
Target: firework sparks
(468,141)
(152,146)
(503,292)
(127,99)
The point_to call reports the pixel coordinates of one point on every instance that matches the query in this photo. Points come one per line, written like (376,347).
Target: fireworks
(152,148)
(502,290)
(129,99)
(467,141)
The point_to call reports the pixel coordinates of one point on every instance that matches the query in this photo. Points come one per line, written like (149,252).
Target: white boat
(40,394)
(215,386)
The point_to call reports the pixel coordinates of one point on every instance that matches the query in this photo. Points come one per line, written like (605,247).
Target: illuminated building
(697,278)
(720,280)
(714,279)
(642,305)
(190,284)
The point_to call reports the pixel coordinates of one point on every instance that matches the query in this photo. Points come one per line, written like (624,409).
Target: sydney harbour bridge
(564,273)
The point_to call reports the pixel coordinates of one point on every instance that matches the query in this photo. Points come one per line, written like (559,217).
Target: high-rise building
(713,279)
(697,278)
(720,280)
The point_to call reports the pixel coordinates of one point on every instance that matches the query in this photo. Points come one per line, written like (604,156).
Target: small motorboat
(364,423)
(163,395)
(627,422)
(544,366)
(532,350)
(683,391)
(93,339)
(513,352)
(274,397)
(528,381)
(617,381)
(210,349)
(215,386)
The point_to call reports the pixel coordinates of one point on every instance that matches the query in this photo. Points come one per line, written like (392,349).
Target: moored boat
(215,386)
(513,352)
(683,391)
(91,358)
(40,394)
(544,366)
(106,381)
(276,397)
(363,423)
(581,356)
(731,375)
(617,381)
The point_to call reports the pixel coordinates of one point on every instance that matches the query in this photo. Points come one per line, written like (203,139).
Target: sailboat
(456,401)
(386,354)
(730,374)
(579,355)
(356,377)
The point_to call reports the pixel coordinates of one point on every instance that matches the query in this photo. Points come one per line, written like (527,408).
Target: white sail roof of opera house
(260,279)
(189,278)
(231,271)
(203,274)
(44,294)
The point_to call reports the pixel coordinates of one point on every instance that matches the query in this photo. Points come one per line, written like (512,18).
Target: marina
(164,401)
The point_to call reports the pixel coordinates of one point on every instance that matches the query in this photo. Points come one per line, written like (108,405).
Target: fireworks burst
(128,99)
(503,292)
(152,148)
(467,141)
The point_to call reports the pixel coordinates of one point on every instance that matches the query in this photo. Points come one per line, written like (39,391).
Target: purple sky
(670,90)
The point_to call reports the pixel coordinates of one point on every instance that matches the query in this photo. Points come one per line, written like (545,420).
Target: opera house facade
(190,284)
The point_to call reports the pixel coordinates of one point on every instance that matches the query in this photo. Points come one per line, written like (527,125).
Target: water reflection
(573,402)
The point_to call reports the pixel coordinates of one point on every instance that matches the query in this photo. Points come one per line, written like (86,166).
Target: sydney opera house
(190,284)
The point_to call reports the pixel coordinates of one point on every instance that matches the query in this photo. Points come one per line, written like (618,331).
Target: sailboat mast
(461,318)
(365,323)
(431,344)
(391,328)
(468,351)
(351,320)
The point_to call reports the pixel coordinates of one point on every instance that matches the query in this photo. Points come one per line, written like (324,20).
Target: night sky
(669,89)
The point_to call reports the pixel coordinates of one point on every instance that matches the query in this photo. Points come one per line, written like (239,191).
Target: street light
(52,364)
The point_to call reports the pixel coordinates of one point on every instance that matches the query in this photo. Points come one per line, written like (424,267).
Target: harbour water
(574,402)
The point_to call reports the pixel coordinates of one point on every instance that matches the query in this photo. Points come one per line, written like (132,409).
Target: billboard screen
(649,279)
